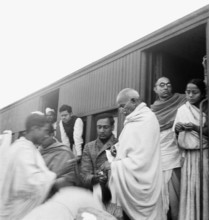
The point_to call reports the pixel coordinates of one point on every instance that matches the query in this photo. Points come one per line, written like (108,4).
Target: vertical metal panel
(97,90)
(14,118)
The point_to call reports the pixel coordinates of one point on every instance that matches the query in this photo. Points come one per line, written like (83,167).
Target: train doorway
(178,58)
(50,100)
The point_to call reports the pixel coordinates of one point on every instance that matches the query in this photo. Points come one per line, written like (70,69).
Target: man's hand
(113,151)
(99,177)
(102,177)
(105,166)
(95,178)
(190,126)
(179,127)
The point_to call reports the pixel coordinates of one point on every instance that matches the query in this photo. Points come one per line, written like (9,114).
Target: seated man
(55,155)
(94,154)
(25,181)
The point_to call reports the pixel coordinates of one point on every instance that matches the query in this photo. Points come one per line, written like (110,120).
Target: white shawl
(25,180)
(189,139)
(136,174)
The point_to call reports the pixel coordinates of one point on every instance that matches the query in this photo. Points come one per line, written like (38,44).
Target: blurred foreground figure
(56,155)
(136,174)
(70,203)
(25,181)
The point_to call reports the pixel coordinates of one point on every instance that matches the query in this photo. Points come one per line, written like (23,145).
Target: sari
(188,141)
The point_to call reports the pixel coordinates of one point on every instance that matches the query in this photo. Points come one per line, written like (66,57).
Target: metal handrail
(201,157)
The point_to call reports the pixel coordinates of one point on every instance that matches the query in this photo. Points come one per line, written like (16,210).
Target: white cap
(37,112)
(49,110)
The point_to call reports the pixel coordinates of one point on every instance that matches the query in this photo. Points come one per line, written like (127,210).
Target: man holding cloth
(136,176)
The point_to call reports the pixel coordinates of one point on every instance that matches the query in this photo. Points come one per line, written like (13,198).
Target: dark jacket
(94,156)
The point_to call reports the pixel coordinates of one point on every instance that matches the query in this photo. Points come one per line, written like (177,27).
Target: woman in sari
(187,128)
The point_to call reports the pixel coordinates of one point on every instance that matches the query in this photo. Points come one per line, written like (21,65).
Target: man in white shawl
(136,175)
(25,180)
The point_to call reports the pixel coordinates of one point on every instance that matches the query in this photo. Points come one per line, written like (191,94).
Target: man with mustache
(94,153)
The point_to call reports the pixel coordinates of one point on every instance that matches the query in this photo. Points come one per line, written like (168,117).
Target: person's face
(126,106)
(104,129)
(50,117)
(48,141)
(193,94)
(163,88)
(40,134)
(65,116)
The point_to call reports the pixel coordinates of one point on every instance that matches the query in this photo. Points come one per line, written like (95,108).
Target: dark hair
(106,115)
(65,108)
(200,84)
(35,119)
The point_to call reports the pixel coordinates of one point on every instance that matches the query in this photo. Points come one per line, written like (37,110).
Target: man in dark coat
(94,154)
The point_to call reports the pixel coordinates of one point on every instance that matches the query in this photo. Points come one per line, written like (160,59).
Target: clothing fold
(136,174)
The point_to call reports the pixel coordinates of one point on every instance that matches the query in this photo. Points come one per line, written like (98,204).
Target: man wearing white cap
(51,117)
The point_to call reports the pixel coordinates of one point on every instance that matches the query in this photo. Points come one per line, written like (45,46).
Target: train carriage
(175,51)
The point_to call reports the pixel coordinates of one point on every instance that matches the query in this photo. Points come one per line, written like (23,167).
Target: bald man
(136,175)
(165,108)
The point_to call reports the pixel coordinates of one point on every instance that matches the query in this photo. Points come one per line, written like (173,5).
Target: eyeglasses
(103,126)
(193,92)
(164,84)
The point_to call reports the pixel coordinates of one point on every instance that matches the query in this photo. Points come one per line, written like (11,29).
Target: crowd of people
(152,171)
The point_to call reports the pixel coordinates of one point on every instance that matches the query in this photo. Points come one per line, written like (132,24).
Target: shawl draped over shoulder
(189,139)
(136,174)
(56,156)
(166,110)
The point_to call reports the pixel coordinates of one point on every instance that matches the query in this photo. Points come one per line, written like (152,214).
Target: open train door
(50,100)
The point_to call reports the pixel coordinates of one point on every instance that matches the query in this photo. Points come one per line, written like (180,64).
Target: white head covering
(49,110)
(37,112)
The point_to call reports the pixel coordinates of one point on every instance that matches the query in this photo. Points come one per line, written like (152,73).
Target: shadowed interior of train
(179,58)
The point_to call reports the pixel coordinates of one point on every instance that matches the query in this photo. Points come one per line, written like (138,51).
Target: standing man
(136,175)
(25,181)
(94,154)
(69,130)
(165,108)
